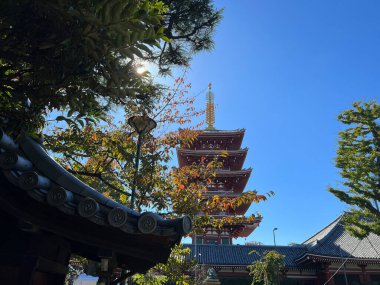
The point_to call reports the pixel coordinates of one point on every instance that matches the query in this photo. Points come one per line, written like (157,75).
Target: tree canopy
(358,158)
(174,271)
(268,269)
(80,56)
(67,66)
(189,25)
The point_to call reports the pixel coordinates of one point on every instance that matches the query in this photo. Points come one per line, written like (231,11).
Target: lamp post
(274,236)
(142,125)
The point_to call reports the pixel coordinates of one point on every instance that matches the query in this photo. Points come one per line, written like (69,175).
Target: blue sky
(284,70)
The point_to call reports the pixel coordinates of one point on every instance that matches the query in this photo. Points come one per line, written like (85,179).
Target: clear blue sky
(284,70)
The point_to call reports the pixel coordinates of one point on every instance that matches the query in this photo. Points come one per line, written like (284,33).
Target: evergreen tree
(189,24)
(358,158)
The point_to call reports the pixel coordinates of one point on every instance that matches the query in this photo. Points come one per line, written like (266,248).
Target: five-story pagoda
(230,179)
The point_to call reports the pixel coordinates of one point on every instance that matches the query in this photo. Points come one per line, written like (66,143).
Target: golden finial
(210,109)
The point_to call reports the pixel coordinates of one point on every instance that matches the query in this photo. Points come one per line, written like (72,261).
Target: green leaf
(166,39)
(71,112)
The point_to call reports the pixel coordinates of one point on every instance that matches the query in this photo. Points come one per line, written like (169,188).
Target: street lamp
(142,125)
(274,236)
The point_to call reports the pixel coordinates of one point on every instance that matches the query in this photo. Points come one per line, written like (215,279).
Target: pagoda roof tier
(233,160)
(240,210)
(37,190)
(246,231)
(230,181)
(241,229)
(219,139)
(228,194)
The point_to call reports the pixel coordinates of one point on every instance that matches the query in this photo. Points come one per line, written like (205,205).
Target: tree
(73,56)
(80,56)
(73,62)
(358,158)
(103,157)
(174,271)
(189,24)
(75,268)
(268,268)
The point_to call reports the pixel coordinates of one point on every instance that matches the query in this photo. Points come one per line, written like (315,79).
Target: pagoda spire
(210,109)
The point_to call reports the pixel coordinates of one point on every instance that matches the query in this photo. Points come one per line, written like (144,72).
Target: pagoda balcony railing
(221,215)
(229,194)
(213,151)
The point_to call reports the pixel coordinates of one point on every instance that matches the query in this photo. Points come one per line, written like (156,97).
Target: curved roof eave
(31,175)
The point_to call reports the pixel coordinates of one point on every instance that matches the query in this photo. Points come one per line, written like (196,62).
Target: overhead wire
(344,262)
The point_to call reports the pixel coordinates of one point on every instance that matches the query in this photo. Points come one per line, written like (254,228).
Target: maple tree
(103,156)
(68,67)
(72,64)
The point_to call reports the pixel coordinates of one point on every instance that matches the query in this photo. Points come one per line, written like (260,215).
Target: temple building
(330,257)
(47,215)
(230,179)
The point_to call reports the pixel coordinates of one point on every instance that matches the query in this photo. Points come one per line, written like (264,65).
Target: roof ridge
(336,222)
(244,245)
(217,130)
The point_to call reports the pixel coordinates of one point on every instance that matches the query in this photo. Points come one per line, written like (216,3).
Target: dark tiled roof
(217,132)
(332,242)
(33,187)
(335,241)
(321,234)
(238,255)
(212,152)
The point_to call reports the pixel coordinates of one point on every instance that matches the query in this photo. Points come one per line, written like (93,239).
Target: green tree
(268,269)
(358,158)
(80,56)
(76,56)
(174,271)
(189,24)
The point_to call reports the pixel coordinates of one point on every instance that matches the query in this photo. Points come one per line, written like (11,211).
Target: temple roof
(212,152)
(233,173)
(242,228)
(332,244)
(238,255)
(313,240)
(234,180)
(247,229)
(335,242)
(37,190)
(214,133)
(242,209)
(233,160)
(226,138)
